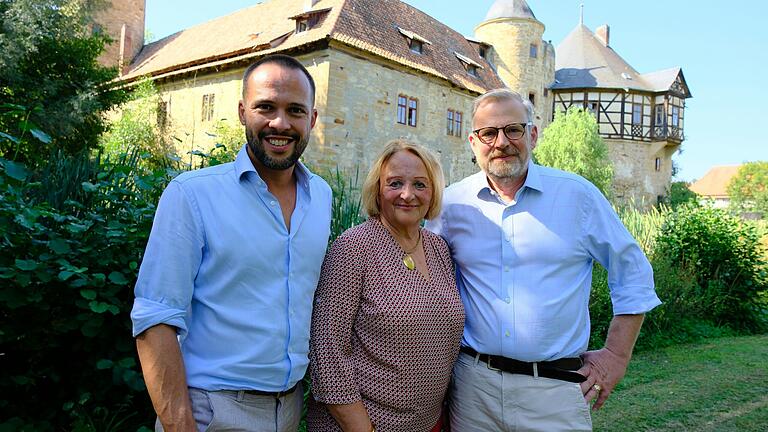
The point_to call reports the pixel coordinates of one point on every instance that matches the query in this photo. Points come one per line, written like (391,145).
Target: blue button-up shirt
(222,268)
(524,268)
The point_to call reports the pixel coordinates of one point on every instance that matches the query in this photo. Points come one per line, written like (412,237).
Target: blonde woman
(387,319)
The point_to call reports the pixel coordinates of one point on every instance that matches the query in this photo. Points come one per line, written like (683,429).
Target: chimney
(604,34)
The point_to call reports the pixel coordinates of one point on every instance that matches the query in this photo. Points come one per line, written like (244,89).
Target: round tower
(123,21)
(521,58)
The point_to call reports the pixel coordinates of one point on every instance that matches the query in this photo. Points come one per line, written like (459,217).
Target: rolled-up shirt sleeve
(172,258)
(630,275)
(337,300)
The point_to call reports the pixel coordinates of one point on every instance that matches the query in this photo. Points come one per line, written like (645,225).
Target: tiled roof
(368,25)
(714,184)
(582,60)
(510,9)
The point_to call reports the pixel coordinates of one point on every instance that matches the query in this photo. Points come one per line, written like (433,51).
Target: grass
(719,385)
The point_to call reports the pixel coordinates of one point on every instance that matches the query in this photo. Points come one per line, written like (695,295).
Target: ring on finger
(596,387)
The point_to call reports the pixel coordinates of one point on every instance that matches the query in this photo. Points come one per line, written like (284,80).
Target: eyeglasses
(512,131)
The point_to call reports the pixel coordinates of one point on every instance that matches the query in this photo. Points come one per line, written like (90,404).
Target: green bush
(728,261)
(67,275)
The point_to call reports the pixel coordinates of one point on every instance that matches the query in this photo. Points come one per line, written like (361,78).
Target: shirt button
(506,333)
(506,268)
(508,300)
(272,203)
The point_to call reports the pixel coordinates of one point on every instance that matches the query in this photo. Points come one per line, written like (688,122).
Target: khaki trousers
(483,400)
(232,410)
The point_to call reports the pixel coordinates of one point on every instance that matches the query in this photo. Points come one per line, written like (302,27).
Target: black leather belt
(562,369)
(275,395)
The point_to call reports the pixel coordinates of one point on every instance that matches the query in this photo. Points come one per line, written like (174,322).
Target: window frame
(208,107)
(533,51)
(413,112)
(402,109)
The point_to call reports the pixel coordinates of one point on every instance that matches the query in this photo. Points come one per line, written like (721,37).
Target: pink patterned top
(382,333)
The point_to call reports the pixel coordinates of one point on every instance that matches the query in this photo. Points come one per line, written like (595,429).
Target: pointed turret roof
(510,9)
(583,60)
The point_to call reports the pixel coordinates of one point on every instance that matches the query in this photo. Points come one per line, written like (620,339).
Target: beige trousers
(483,400)
(237,411)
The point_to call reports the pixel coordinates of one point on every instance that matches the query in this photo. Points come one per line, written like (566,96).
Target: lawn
(719,385)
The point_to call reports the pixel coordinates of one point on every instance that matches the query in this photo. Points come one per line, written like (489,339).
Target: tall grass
(644,225)
(346,206)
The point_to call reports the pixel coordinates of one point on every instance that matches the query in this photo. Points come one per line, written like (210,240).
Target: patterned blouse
(382,333)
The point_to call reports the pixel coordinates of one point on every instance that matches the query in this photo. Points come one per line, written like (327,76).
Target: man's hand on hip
(603,369)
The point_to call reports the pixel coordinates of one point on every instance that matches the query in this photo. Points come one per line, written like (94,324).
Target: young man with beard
(524,239)
(224,294)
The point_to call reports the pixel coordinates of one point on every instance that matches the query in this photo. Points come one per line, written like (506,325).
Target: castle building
(383,70)
(640,116)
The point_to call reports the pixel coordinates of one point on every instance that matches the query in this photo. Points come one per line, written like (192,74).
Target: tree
(572,143)
(53,91)
(748,189)
(679,194)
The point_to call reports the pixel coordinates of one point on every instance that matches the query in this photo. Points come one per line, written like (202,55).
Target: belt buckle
(488,364)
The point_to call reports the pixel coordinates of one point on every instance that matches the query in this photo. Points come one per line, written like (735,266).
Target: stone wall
(356,100)
(361,114)
(636,177)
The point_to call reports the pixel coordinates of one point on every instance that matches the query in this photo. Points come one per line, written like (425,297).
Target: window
(534,51)
(412,112)
(302,25)
(453,127)
(208,105)
(415,42)
(402,109)
(162,115)
(658,164)
(637,114)
(592,107)
(660,114)
(483,51)
(416,46)
(472,70)
(675,116)
(532,98)
(546,92)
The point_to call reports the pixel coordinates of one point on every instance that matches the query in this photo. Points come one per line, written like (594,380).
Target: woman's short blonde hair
(370,192)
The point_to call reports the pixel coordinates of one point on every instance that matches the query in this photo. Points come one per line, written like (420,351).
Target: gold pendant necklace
(408,261)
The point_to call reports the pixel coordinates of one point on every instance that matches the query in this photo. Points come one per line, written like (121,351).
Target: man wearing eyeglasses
(524,238)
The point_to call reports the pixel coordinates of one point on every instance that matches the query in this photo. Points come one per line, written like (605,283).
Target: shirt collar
(479,181)
(244,165)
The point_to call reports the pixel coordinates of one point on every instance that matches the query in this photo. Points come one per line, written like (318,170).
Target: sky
(722,48)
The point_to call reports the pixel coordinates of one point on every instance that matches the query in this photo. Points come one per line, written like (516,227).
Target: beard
(255,144)
(513,169)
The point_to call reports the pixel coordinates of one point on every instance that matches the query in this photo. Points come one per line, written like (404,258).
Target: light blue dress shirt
(524,268)
(222,268)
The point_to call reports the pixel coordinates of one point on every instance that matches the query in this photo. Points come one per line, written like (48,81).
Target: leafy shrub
(572,143)
(66,295)
(727,258)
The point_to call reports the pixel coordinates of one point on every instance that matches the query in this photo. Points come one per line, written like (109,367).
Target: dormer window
(416,46)
(483,51)
(309,20)
(302,25)
(470,65)
(415,42)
